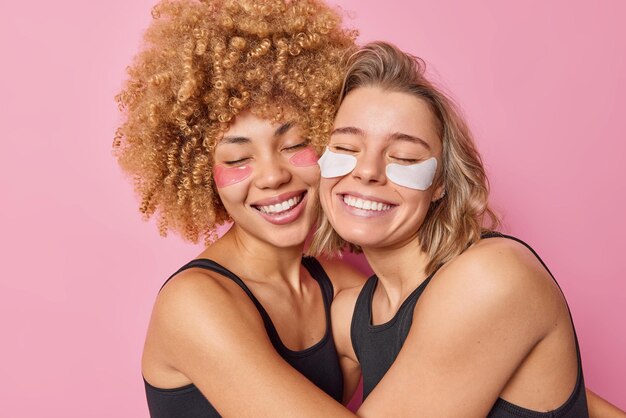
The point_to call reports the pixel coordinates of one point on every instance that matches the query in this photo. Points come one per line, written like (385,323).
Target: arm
(472,328)
(600,408)
(208,330)
(341,311)
(347,283)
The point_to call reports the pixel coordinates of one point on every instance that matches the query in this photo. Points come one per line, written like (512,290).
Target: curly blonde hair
(203,63)
(457,220)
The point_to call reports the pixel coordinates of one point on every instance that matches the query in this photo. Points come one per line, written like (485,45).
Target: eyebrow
(351,130)
(347,130)
(410,138)
(281,130)
(234,140)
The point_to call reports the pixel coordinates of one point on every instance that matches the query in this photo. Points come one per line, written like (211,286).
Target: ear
(439,193)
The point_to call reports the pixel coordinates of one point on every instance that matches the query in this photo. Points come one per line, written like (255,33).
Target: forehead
(381,113)
(246,123)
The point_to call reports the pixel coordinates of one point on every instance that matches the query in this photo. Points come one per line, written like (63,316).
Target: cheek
(227,176)
(417,176)
(305,158)
(416,205)
(325,192)
(308,174)
(233,197)
(333,164)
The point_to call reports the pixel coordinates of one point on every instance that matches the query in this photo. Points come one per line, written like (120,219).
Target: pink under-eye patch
(304,158)
(227,176)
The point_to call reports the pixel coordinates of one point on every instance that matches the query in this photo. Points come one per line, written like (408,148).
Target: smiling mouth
(365,204)
(280,207)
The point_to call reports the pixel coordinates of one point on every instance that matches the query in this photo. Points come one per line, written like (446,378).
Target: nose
(370,168)
(271,173)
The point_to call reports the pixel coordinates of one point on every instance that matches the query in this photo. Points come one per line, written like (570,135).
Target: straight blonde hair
(455,221)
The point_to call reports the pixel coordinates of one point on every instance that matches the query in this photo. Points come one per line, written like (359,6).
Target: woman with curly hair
(458,320)
(224,110)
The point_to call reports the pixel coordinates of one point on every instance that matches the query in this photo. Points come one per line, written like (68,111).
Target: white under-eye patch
(333,164)
(418,176)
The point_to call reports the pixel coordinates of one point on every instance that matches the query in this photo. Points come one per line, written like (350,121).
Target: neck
(400,269)
(257,260)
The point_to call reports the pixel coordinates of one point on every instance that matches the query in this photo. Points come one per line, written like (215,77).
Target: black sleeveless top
(377,346)
(319,363)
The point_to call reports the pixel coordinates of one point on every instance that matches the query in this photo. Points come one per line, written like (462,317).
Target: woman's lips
(365,206)
(283,209)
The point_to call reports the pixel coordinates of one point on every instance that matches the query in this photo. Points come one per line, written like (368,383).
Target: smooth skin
(492,322)
(600,408)
(204,329)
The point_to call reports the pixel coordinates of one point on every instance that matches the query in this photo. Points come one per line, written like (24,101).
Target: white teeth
(365,204)
(282,206)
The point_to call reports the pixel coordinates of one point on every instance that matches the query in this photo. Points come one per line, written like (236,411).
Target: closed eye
(240,161)
(342,149)
(406,161)
(297,146)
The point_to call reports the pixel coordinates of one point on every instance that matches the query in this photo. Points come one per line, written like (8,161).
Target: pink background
(542,84)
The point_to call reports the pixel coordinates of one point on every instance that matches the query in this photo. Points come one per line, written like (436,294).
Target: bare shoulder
(196,302)
(343,305)
(500,265)
(473,328)
(198,315)
(342,275)
(206,331)
(496,277)
(342,311)
(342,308)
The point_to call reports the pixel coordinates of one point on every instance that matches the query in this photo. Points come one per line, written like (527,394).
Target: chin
(291,243)
(368,239)
(288,239)
(360,238)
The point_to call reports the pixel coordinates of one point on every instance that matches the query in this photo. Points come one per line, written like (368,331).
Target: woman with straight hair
(458,319)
